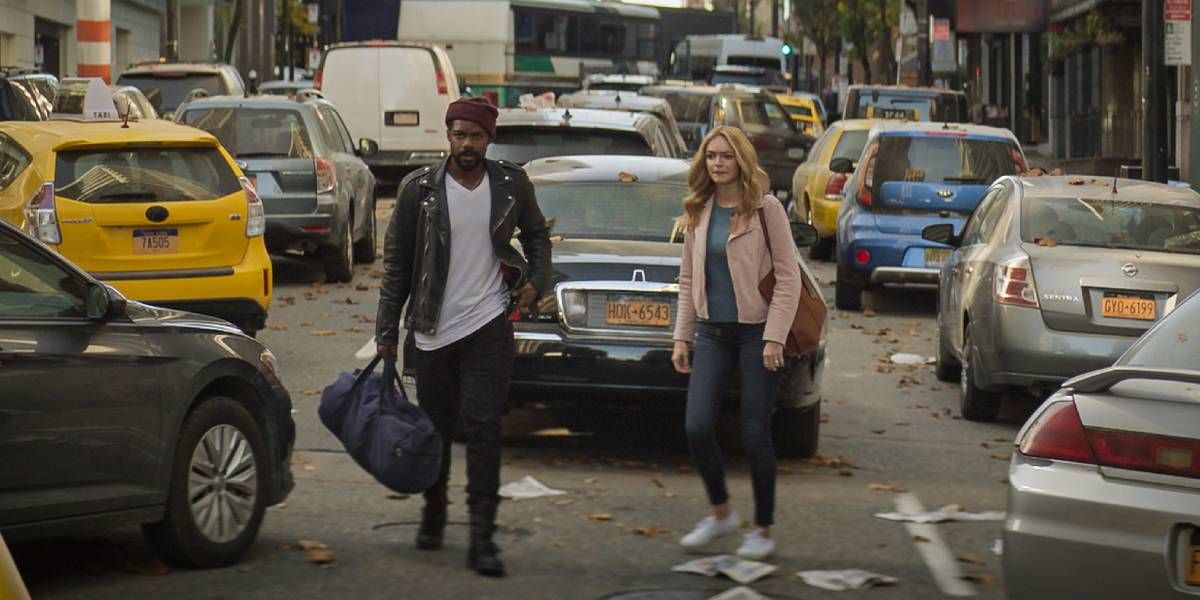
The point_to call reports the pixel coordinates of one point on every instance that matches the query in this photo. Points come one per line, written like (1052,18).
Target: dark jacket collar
(498,178)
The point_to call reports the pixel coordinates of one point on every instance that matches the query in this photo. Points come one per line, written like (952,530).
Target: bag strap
(762,220)
(389,372)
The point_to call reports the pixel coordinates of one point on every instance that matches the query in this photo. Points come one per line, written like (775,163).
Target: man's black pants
(468,381)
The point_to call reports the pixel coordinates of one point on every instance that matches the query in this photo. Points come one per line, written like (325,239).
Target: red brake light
(1058,434)
(864,196)
(834,186)
(320,77)
(1014,284)
(441,82)
(326,175)
(1144,452)
(862,256)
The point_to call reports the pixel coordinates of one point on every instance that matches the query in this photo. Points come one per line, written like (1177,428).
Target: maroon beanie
(476,109)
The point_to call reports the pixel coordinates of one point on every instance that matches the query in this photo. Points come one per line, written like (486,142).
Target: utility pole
(924,72)
(775,18)
(172,49)
(1194,113)
(288,75)
(1154,93)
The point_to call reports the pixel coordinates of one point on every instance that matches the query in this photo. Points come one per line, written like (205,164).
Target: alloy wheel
(222,483)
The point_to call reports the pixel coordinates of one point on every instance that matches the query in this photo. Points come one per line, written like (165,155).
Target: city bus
(506,48)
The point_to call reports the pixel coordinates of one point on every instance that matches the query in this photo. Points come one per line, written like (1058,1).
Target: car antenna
(1115,176)
(125,119)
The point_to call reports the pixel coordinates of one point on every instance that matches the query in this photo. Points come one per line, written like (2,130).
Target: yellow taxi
(158,210)
(816,189)
(803,110)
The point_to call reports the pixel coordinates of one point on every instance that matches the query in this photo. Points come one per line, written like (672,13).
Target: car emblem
(157,214)
(639,275)
(1129,269)
(945,193)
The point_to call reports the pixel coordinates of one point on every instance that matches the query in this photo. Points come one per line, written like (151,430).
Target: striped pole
(93,32)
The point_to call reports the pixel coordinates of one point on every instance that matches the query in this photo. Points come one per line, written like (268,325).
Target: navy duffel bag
(387,435)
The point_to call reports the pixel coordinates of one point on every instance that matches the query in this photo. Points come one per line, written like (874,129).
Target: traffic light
(786,49)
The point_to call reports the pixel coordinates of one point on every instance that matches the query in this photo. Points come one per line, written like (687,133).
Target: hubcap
(222,483)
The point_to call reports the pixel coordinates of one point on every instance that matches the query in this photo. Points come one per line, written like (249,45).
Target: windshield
(944,159)
(523,144)
(688,108)
(167,92)
(612,211)
(798,111)
(114,175)
(1107,223)
(850,145)
(255,132)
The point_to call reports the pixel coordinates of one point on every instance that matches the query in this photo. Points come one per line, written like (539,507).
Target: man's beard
(473,160)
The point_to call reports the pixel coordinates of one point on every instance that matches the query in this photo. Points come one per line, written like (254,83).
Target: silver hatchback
(1056,276)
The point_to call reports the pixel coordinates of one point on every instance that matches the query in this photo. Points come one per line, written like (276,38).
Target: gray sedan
(1104,490)
(1057,276)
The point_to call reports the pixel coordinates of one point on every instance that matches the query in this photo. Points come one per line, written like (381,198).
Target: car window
(850,145)
(613,211)
(1171,344)
(523,144)
(148,174)
(328,133)
(254,132)
(32,285)
(979,223)
(1105,223)
(167,92)
(944,159)
(13,160)
(798,111)
(776,115)
(334,121)
(750,112)
(818,148)
(690,108)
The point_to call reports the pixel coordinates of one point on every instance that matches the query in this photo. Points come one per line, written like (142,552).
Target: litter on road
(904,358)
(951,512)
(527,488)
(741,571)
(845,579)
(740,592)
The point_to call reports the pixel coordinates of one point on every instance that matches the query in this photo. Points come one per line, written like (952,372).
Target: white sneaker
(755,546)
(709,529)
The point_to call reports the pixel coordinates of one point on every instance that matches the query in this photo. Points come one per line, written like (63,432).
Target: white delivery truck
(696,56)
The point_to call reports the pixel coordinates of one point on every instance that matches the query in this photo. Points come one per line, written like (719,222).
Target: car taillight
(41,216)
(256,216)
(862,256)
(441,83)
(864,196)
(761,143)
(1058,434)
(320,77)
(326,175)
(1014,284)
(1146,452)
(835,185)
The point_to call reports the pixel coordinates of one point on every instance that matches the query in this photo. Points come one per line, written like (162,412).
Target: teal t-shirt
(718,283)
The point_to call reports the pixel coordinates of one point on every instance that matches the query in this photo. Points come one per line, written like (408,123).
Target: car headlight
(574,308)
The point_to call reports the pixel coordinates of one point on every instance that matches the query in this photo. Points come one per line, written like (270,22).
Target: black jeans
(467,382)
(721,347)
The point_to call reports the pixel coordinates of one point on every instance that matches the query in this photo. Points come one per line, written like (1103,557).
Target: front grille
(597,302)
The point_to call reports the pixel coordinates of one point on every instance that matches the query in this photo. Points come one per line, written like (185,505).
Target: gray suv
(318,193)
(168,85)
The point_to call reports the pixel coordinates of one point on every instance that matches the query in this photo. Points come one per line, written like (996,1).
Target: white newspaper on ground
(527,488)
(845,579)
(951,512)
(741,571)
(740,592)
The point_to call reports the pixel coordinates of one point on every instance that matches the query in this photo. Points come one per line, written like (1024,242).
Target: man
(448,255)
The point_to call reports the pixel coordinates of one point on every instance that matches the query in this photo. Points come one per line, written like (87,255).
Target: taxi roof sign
(96,103)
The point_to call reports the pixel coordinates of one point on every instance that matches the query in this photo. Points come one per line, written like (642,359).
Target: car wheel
(945,368)
(796,431)
(216,495)
(364,249)
(847,294)
(339,259)
(977,404)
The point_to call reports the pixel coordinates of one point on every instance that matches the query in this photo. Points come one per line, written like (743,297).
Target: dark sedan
(603,338)
(116,412)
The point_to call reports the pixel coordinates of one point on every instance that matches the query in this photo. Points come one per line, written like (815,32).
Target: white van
(393,92)
(696,56)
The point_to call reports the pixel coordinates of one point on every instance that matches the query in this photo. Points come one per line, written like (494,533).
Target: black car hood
(146,314)
(616,260)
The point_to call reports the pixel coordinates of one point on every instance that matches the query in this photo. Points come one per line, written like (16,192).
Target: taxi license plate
(936,257)
(155,241)
(1193,564)
(637,312)
(1117,306)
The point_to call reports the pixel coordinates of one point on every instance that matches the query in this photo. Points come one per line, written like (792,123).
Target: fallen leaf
(364,319)
(154,568)
(984,579)
(347,300)
(310,468)
(397,496)
(887,487)
(280,506)
(855,326)
(296,460)
(985,445)
(306,323)
(902,423)
(1002,456)
(362,287)
(970,559)
(564,502)
(878,431)
(311,392)
(668,494)
(920,539)
(311,545)
(785,470)
(657,483)
(591,480)
(649,531)
(599,517)
(326,315)
(288,299)
(356,330)
(277,326)
(846,473)
(319,556)
(323,333)
(869,312)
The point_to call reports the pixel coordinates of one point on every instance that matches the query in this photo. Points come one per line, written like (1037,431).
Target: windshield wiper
(125,196)
(965,179)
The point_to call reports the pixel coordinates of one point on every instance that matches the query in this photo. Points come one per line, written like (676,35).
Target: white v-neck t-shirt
(474,286)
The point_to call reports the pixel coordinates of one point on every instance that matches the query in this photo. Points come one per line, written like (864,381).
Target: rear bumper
(308,230)
(904,275)
(825,212)
(1073,533)
(902,254)
(1024,352)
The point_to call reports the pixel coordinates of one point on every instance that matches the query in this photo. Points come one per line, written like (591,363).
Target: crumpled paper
(905,358)
(740,592)
(741,571)
(527,488)
(845,579)
(950,512)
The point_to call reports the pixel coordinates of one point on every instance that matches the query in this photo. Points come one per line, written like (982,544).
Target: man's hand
(387,351)
(524,295)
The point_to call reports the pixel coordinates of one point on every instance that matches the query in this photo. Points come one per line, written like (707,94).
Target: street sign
(941,51)
(1177,27)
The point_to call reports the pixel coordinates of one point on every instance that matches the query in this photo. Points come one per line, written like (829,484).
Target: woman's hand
(772,356)
(679,357)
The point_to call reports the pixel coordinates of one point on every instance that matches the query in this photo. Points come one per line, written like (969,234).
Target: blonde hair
(752,180)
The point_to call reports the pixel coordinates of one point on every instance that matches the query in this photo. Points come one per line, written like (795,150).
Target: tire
(847,295)
(339,259)
(796,431)
(824,246)
(945,368)
(182,537)
(976,404)
(364,249)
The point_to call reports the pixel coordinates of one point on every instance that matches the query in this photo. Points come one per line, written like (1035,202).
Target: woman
(721,310)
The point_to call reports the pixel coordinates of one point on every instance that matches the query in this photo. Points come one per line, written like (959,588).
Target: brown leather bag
(804,335)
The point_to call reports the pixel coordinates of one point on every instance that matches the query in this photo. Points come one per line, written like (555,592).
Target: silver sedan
(1056,276)
(1104,490)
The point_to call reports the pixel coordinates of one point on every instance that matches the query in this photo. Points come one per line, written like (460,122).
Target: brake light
(441,82)
(326,175)
(320,77)
(761,143)
(864,196)
(41,217)
(835,185)
(1058,434)
(862,256)
(256,216)
(1014,284)
(1145,452)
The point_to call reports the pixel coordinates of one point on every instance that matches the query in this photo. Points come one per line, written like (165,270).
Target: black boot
(482,555)
(433,524)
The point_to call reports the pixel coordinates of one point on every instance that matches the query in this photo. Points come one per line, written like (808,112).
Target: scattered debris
(1002,456)
(970,559)
(740,592)
(845,579)
(920,539)
(905,358)
(277,326)
(288,299)
(322,332)
(951,512)
(527,488)
(362,287)
(981,579)
(741,571)
(319,556)
(564,502)
(154,568)
(650,531)
(868,312)
(599,517)
(998,548)
(878,431)
(397,496)
(886,487)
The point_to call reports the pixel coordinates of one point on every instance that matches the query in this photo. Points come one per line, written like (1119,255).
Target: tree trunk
(235,23)
(864,58)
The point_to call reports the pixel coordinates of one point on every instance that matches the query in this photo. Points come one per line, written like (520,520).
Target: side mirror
(796,154)
(804,235)
(103,303)
(841,164)
(367,147)
(942,233)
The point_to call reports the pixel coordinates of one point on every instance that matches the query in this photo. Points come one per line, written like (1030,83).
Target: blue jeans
(720,347)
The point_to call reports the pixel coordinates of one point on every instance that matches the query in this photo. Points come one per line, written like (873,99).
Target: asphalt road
(630,490)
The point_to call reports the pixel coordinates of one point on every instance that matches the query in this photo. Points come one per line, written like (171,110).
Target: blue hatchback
(911,175)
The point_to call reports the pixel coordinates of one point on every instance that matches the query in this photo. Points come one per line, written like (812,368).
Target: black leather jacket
(416,251)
